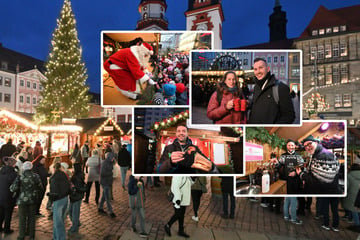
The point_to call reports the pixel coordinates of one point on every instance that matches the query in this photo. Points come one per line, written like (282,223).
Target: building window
(21,99)
(314,33)
(275,59)
(328,76)
(335,50)
(269,59)
(145,16)
(343,49)
(344,74)
(34,101)
(322,31)
(347,100)
(245,62)
(320,52)
(40,87)
(282,59)
(295,72)
(1,80)
(275,71)
(22,83)
(336,29)
(313,53)
(28,100)
(328,51)
(7,98)
(338,100)
(328,30)
(0,97)
(336,76)
(34,85)
(28,84)
(282,72)
(295,58)
(7,82)
(121,118)
(321,77)
(343,28)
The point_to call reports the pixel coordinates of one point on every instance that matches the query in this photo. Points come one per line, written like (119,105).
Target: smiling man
(183,157)
(266,107)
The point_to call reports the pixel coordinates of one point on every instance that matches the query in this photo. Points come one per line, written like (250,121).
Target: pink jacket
(219,114)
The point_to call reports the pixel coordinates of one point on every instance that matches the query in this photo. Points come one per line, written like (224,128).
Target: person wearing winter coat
(77,194)
(124,161)
(60,188)
(197,189)
(227,189)
(93,163)
(39,168)
(264,108)
(181,188)
(85,152)
(7,150)
(137,203)
(38,150)
(29,185)
(106,181)
(222,107)
(7,199)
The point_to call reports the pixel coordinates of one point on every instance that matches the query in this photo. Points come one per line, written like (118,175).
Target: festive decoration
(108,123)
(65,92)
(238,130)
(316,103)
(170,121)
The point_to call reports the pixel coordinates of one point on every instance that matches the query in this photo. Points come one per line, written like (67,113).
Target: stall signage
(253,152)
(108,128)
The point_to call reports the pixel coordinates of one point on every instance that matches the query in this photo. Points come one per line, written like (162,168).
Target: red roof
(324,18)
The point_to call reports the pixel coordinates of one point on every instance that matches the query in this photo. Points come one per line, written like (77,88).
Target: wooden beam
(314,129)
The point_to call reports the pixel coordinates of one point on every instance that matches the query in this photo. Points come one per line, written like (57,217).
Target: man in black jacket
(179,156)
(265,107)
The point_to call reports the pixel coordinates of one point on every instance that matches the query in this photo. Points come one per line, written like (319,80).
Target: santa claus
(127,67)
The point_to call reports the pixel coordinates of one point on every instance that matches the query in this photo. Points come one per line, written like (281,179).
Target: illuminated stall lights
(106,124)
(170,121)
(61,128)
(18,119)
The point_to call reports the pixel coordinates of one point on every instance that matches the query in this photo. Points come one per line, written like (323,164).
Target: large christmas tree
(65,93)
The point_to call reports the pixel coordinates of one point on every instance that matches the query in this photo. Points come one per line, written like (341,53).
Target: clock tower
(206,15)
(152,15)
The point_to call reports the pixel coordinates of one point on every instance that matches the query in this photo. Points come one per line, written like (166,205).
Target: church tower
(206,15)
(277,23)
(152,15)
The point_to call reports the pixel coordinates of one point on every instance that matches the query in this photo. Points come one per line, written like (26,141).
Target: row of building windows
(329,30)
(28,100)
(5,81)
(122,118)
(342,100)
(274,59)
(330,75)
(28,84)
(329,51)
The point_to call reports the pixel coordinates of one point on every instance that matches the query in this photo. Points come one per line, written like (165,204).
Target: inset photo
(165,144)
(148,68)
(252,87)
(308,160)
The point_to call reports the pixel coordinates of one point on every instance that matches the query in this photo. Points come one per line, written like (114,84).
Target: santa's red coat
(125,78)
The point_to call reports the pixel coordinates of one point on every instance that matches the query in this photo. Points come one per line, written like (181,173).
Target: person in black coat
(76,196)
(39,168)
(264,108)
(7,201)
(124,161)
(227,189)
(7,150)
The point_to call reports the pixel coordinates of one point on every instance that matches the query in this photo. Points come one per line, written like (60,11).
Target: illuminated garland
(111,122)
(316,103)
(170,121)
(238,130)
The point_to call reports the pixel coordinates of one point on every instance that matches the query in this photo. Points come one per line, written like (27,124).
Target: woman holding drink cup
(227,104)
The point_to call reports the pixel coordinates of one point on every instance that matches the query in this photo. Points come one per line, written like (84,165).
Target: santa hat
(147,47)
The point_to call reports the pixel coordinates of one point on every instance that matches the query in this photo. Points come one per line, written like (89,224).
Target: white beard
(140,53)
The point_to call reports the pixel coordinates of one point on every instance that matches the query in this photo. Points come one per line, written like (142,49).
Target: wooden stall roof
(90,125)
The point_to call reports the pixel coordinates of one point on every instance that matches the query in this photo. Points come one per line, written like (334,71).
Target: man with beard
(266,107)
(183,157)
(127,68)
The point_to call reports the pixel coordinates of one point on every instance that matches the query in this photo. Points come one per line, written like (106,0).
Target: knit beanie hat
(9,161)
(180,87)
(27,165)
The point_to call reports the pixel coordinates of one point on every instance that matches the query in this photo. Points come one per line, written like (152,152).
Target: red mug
(243,105)
(237,104)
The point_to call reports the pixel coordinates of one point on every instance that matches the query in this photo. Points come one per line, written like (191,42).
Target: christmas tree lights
(65,90)
(316,103)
